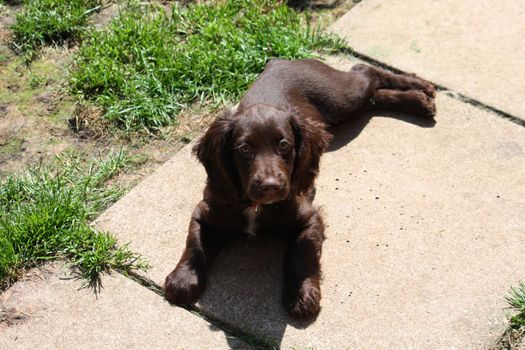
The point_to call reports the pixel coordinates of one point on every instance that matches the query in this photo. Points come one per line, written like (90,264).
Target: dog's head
(262,153)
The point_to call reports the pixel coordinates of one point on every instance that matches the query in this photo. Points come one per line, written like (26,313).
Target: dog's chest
(250,220)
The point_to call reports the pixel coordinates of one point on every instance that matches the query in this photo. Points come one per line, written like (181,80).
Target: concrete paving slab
(476,47)
(48,310)
(425,235)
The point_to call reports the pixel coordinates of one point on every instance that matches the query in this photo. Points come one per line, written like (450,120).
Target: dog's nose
(270,185)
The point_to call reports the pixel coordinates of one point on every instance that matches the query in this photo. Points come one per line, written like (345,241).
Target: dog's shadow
(244,290)
(345,133)
(245,282)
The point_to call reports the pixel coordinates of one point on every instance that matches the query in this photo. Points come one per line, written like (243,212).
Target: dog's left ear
(311,140)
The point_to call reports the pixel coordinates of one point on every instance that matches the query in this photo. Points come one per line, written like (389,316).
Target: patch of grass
(516,300)
(49,22)
(45,214)
(148,65)
(36,81)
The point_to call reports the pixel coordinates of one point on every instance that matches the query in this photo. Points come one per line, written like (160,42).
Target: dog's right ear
(214,151)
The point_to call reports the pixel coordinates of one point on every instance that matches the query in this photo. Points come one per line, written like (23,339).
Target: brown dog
(262,161)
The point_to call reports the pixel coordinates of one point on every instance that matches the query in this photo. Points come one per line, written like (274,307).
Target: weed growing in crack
(516,300)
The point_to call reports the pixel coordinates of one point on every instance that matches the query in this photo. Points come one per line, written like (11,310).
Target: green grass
(36,81)
(516,300)
(49,22)
(148,65)
(45,214)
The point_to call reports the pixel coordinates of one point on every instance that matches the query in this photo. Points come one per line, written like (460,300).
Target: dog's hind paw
(428,106)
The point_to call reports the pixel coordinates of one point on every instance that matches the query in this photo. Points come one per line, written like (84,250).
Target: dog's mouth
(265,202)
(258,197)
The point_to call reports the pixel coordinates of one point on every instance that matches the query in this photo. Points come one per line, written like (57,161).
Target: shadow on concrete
(245,286)
(345,133)
(245,282)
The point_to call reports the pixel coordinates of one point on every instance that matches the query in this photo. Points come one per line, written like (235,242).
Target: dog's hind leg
(383,79)
(411,101)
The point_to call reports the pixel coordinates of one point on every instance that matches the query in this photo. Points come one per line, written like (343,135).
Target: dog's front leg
(185,284)
(302,270)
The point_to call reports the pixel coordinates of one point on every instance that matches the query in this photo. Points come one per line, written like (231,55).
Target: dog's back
(305,83)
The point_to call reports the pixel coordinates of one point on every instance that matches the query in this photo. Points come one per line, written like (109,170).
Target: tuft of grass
(49,22)
(148,64)
(516,300)
(36,81)
(45,214)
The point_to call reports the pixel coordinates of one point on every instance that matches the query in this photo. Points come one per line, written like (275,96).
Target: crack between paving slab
(449,92)
(231,331)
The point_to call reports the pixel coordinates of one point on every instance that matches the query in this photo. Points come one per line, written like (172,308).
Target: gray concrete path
(476,47)
(48,309)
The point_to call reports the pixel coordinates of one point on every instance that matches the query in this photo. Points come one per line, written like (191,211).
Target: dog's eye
(245,150)
(284,146)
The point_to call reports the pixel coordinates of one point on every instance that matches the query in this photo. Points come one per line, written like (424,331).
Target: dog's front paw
(303,302)
(183,286)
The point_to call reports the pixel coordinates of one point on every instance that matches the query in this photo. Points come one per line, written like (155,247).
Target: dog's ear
(214,151)
(311,140)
